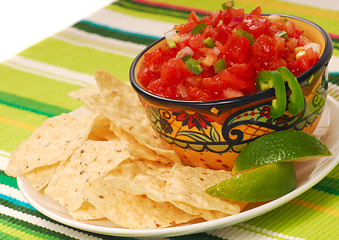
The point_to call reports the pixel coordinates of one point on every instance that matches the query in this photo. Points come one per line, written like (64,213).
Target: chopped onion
(215,15)
(216,51)
(273,17)
(314,46)
(169,34)
(194,80)
(182,91)
(231,93)
(235,21)
(185,51)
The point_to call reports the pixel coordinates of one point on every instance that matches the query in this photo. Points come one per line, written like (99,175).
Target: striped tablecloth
(35,83)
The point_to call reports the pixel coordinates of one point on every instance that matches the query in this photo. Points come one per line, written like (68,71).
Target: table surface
(35,78)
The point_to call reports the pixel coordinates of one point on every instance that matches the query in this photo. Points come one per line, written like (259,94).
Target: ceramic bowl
(212,133)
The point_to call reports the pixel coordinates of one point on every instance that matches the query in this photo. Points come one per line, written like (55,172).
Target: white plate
(308,174)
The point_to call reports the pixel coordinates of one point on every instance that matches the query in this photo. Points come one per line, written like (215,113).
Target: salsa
(221,55)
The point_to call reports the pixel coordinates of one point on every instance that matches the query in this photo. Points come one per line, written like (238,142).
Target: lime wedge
(259,184)
(280,146)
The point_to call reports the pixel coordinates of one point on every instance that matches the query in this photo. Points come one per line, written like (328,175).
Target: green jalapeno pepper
(249,36)
(219,65)
(296,99)
(199,28)
(192,64)
(273,79)
(209,43)
(227,5)
(282,34)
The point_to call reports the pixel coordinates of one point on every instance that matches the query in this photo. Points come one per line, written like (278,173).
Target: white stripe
(129,23)
(93,46)
(50,71)
(4,153)
(325,4)
(333,89)
(44,223)
(12,192)
(238,233)
(108,44)
(4,159)
(333,65)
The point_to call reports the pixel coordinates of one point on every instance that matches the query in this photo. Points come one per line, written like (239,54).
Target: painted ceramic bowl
(212,133)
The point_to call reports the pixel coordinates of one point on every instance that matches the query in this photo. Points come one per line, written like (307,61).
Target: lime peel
(259,184)
(280,146)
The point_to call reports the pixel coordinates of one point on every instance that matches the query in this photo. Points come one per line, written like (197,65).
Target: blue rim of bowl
(232,102)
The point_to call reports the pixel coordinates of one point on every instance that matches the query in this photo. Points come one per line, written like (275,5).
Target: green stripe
(4,236)
(13,135)
(199,236)
(78,58)
(32,229)
(37,88)
(258,232)
(333,78)
(31,105)
(112,33)
(19,115)
(294,220)
(24,209)
(329,185)
(7,180)
(161,11)
(320,198)
(122,8)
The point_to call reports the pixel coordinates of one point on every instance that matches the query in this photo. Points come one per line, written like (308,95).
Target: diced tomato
(152,57)
(312,56)
(174,71)
(238,51)
(233,81)
(237,13)
(231,93)
(213,83)
(193,17)
(302,41)
(198,94)
(157,86)
(165,73)
(222,34)
(289,27)
(255,26)
(182,92)
(145,75)
(303,63)
(264,47)
(196,41)
(256,12)
(243,70)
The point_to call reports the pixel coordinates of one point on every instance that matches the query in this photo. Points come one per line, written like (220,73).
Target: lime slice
(280,146)
(259,184)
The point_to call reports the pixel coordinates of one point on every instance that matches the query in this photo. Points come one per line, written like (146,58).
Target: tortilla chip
(101,130)
(41,176)
(138,178)
(86,212)
(130,119)
(82,93)
(92,160)
(133,211)
(188,184)
(54,141)
(108,82)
